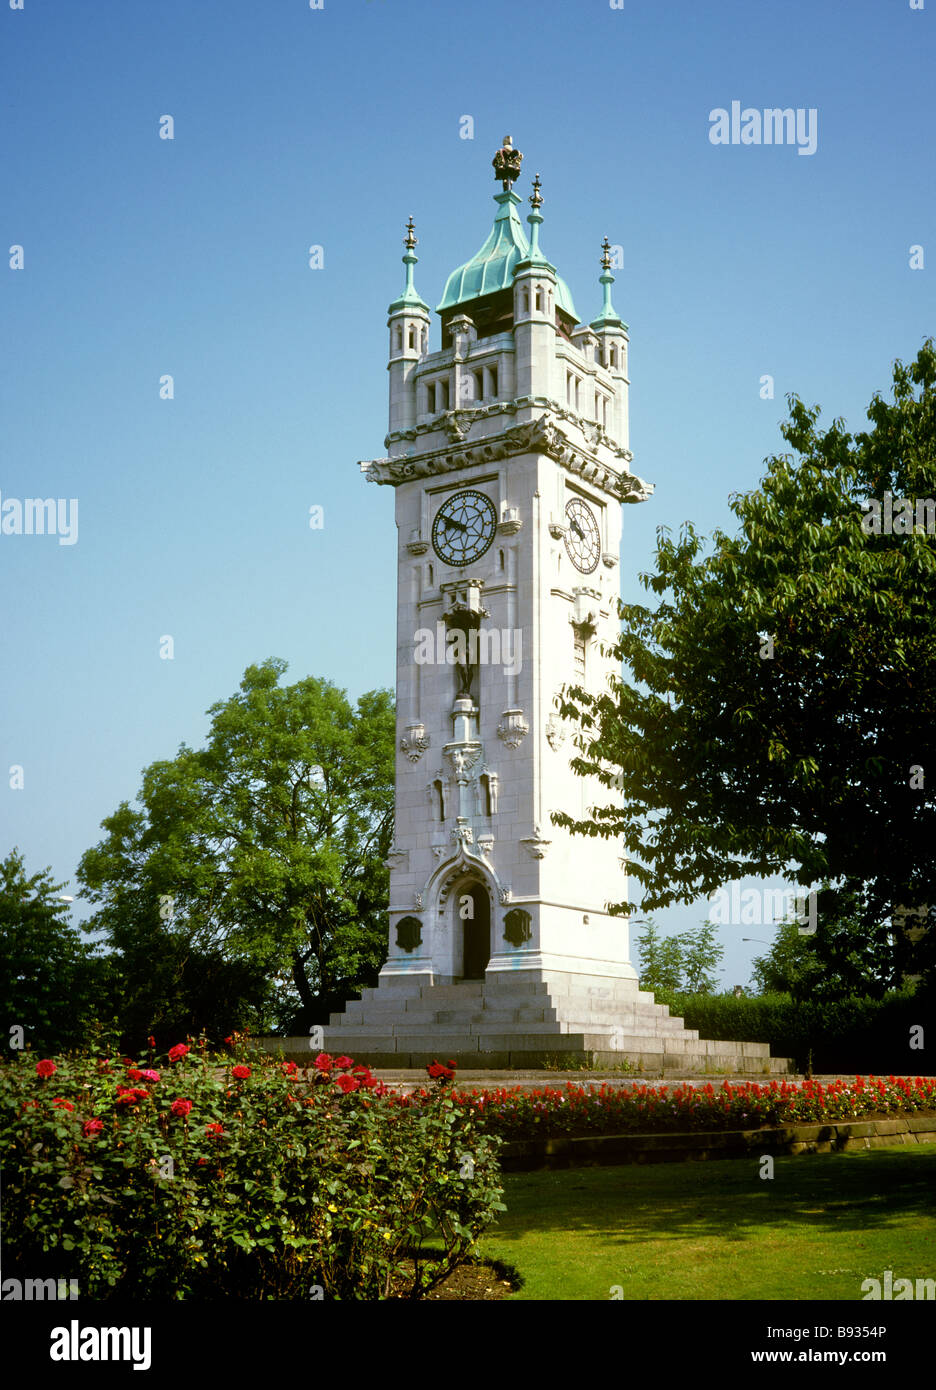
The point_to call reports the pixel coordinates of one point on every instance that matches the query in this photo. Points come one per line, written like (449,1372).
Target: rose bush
(221,1180)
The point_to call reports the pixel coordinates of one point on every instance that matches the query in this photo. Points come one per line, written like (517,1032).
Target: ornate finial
(606,254)
(536,197)
(410,241)
(507,164)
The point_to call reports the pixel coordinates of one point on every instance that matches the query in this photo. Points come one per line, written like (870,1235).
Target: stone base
(562,1021)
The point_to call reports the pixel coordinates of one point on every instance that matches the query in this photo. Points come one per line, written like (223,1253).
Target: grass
(717,1230)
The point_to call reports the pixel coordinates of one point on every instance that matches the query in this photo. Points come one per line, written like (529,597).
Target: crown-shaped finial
(507,164)
(411,239)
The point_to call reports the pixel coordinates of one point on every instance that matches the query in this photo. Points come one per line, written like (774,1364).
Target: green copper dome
(492,268)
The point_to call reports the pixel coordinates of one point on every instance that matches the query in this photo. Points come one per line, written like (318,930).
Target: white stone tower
(508,454)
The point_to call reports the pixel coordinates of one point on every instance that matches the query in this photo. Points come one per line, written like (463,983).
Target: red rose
(344,1061)
(180,1107)
(178,1051)
(214,1129)
(323,1062)
(46,1068)
(92,1127)
(289,1069)
(151,1041)
(241,1073)
(63,1104)
(133,1074)
(347,1084)
(229,1040)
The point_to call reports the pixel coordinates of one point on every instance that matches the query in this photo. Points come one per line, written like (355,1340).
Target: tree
(701,955)
(660,959)
(53,985)
(259,857)
(778,712)
(679,963)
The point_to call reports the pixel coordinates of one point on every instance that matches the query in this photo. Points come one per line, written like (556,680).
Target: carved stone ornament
(557,530)
(535,845)
(513,727)
(555,732)
(414,742)
(539,436)
(417,547)
(609,559)
(485,844)
(418,900)
(504,894)
(463,833)
(397,859)
(463,757)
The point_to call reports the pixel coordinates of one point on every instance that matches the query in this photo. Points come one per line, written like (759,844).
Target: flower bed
(236,1176)
(576,1110)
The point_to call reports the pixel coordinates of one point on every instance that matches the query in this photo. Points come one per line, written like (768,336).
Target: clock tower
(508,457)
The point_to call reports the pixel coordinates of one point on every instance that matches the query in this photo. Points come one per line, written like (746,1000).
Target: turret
(409,342)
(612,339)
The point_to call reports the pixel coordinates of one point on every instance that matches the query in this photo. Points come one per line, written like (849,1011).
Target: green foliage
(272,1185)
(51,982)
(682,962)
(784,686)
(856,1035)
(249,886)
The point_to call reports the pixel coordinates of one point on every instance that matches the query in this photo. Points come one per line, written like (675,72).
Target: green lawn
(716,1230)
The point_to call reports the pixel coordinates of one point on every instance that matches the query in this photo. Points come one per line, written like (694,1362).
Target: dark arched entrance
(473,915)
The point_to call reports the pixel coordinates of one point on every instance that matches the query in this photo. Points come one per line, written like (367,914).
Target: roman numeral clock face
(583,539)
(464,528)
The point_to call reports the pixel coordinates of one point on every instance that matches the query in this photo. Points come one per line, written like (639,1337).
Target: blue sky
(295,127)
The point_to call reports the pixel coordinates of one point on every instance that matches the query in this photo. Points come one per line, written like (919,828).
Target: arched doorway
(473,916)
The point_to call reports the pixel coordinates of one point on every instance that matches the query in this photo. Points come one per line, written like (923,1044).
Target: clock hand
(577,529)
(450,521)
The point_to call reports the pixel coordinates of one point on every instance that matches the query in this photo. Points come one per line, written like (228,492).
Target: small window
(443,395)
(438,800)
(479,385)
(425,339)
(613,356)
(578,659)
(525,300)
(412,337)
(539,298)
(430,398)
(399,338)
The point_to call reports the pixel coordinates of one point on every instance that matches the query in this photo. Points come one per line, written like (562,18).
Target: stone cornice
(539,436)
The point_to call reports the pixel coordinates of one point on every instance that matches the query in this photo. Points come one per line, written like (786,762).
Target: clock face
(583,539)
(464,528)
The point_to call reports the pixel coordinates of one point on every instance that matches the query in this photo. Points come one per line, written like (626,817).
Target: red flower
(46,1068)
(344,1061)
(151,1041)
(178,1051)
(241,1073)
(92,1127)
(440,1073)
(289,1069)
(148,1076)
(180,1107)
(63,1104)
(229,1041)
(133,1074)
(347,1084)
(323,1062)
(214,1129)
